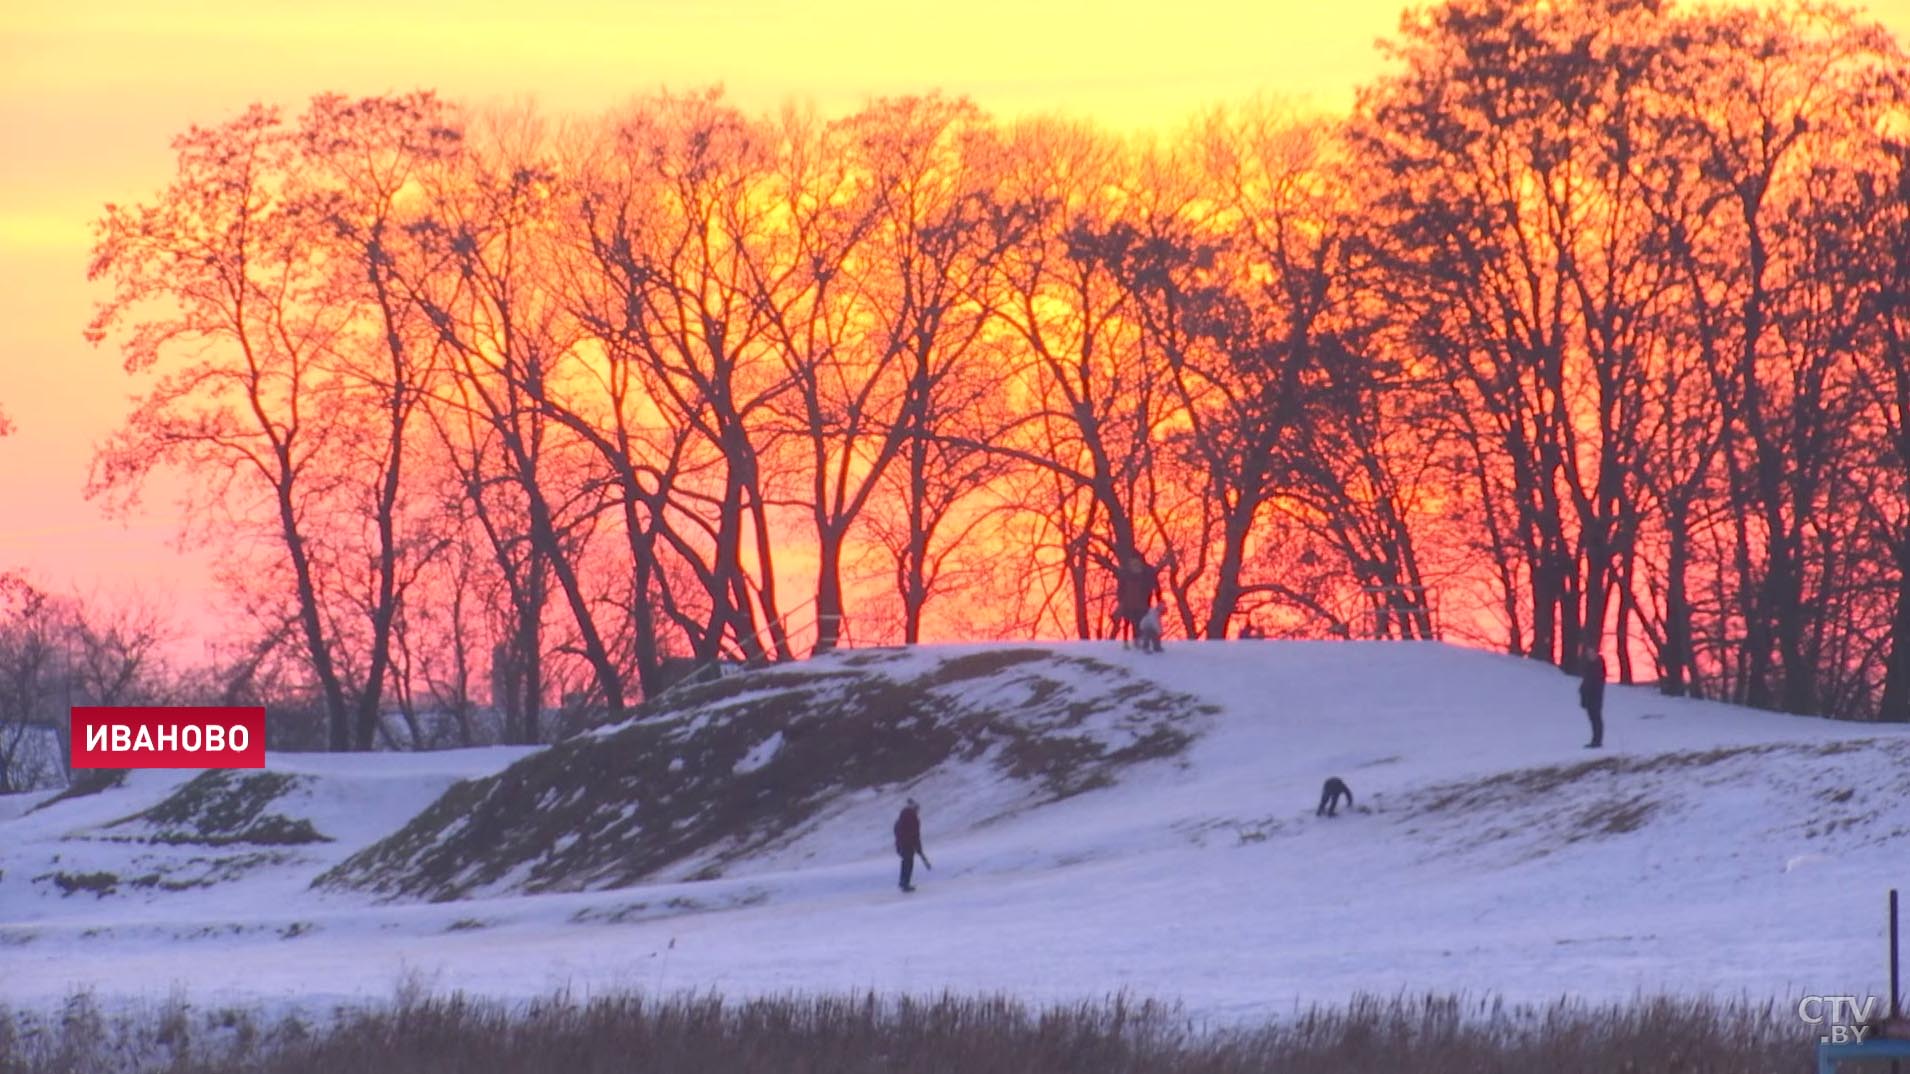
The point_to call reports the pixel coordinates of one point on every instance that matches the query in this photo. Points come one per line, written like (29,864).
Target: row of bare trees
(61,650)
(1590,321)
(1656,257)
(57,652)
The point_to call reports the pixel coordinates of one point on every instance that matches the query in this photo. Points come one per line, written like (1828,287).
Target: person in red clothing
(908,842)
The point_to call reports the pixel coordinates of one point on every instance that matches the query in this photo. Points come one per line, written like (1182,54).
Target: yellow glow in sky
(92,91)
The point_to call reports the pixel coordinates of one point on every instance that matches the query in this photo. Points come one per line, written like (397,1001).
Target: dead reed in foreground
(949,1034)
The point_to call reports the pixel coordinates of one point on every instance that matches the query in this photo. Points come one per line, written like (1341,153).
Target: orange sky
(91,92)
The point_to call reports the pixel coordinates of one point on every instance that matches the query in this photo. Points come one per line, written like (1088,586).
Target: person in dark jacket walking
(1591,694)
(908,842)
(1137,585)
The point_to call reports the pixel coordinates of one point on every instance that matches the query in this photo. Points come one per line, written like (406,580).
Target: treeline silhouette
(1587,326)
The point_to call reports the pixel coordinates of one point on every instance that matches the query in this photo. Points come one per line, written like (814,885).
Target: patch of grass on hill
(223,807)
(1545,808)
(1527,785)
(86,782)
(100,884)
(613,808)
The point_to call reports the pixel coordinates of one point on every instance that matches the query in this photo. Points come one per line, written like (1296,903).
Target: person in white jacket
(1147,631)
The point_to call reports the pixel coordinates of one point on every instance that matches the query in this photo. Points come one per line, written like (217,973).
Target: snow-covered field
(1708,849)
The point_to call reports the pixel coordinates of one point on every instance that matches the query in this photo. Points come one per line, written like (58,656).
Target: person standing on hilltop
(1591,693)
(1137,585)
(908,842)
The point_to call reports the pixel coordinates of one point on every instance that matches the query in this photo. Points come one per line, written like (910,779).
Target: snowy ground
(1712,850)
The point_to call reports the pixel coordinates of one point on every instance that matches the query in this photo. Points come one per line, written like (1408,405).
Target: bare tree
(230,251)
(1805,89)
(671,223)
(508,336)
(1088,405)
(1878,209)
(28,691)
(115,651)
(1527,254)
(876,299)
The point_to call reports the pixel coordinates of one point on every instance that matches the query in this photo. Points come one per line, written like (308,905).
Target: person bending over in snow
(908,842)
(1331,792)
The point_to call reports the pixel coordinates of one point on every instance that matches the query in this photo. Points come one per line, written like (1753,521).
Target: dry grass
(86,782)
(220,808)
(633,1034)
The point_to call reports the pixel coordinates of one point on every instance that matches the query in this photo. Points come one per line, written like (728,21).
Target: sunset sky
(92,92)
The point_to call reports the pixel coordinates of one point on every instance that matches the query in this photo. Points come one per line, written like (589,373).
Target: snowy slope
(712,777)
(125,857)
(1710,849)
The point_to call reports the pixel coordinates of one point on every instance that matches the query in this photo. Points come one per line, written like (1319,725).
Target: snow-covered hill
(715,777)
(1708,849)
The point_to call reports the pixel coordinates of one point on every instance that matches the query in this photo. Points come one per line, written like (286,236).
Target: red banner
(183,737)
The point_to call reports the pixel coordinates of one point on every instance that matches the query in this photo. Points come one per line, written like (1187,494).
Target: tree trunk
(1676,654)
(828,589)
(915,558)
(1894,705)
(337,712)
